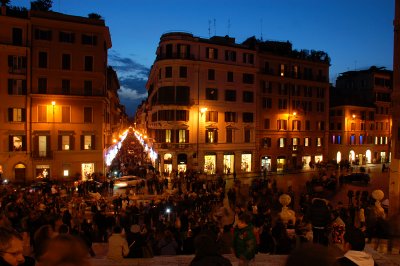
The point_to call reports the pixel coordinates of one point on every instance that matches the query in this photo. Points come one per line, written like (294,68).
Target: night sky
(355,33)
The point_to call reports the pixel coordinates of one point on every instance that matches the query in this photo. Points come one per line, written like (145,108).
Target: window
(229,135)
(211,116)
(266,142)
(182,115)
(267,124)
(321,125)
(283,89)
(320,107)
(266,103)
(66,37)
(42,62)
(339,126)
(66,62)
(306,142)
(183,72)
(248,58)
(230,55)
(89,39)
(362,124)
(307,92)
(248,97)
(183,51)
(65,143)
(87,142)
(212,94)
(88,63)
(308,125)
(42,85)
(168,136)
(17,143)
(230,95)
(42,113)
(361,139)
(17,64)
(211,53)
(87,88)
(168,50)
(211,135)
(17,36)
(266,86)
(66,86)
(182,95)
(282,104)
(320,92)
(182,136)
(353,126)
(65,114)
(230,117)
(16,87)
(296,125)
(248,78)
(281,142)
(16,115)
(282,124)
(353,139)
(168,72)
(211,74)
(247,135)
(319,142)
(282,70)
(87,115)
(247,117)
(44,35)
(229,76)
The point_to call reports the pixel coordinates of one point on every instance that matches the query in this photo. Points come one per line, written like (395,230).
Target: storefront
(182,162)
(246,162)
(280,163)
(318,158)
(306,161)
(167,164)
(229,163)
(266,163)
(20,173)
(42,171)
(210,163)
(87,170)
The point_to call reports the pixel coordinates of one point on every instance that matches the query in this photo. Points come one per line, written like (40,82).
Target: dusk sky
(355,33)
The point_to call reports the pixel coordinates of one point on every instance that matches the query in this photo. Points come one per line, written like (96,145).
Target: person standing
(12,250)
(117,245)
(244,240)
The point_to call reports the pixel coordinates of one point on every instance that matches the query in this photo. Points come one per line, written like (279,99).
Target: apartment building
(56,112)
(360,116)
(210,99)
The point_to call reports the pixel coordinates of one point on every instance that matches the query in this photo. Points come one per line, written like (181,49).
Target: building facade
(209,101)
(56,111)
(360,117)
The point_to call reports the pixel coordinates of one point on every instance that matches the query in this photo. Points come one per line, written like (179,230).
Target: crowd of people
(190,211)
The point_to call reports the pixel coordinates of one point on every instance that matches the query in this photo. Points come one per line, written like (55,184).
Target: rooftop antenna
(229,26)
(215,27)
(209,28)
(261,26)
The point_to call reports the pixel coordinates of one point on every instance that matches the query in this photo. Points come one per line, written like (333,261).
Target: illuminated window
(281,142)
(182,135)
(168,135)
(65,143)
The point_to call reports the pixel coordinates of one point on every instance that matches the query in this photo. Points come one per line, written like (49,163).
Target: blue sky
(355,33)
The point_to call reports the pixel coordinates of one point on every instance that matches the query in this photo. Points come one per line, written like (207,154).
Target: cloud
(132,77)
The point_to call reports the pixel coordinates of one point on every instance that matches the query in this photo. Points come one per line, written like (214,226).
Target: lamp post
(53,103)
(200,114)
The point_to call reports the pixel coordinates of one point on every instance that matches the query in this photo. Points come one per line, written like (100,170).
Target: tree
(94,16)
(4,2)
(42,5)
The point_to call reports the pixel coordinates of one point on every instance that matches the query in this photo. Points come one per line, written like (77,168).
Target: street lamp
(200,113)
(53,103)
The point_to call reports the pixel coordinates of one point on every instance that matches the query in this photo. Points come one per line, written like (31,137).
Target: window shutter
(177,136)
(215,53)
(48,144)
(186,136)
(82,142)
(71,142)
(60,142)
(10,61)
(10,143)
(93,144)
(72,37)
(10,115)
(24,87)
(206,137)
(24,143)
(309,142)
(94,40)
(173,140)
(23,115)
(216,136)
(10,86)
(24,62)
(188,51)
(36,145)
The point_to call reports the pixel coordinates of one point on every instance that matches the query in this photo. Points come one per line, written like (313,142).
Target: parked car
(356,177)
(128,181)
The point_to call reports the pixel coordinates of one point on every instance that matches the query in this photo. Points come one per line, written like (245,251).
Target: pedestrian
(117,245)
(207,251)
(353,245)
(11,249)
(319,215)
(234,176)
(244,240)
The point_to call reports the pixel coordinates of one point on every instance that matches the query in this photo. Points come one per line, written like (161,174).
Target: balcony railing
(173,146)
(14,70)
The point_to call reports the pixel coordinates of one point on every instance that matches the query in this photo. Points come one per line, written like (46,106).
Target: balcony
(175,56)
(16,70)
(42,155)
(174,146)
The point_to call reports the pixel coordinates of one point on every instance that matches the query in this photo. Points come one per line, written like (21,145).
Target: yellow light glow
(114,141)
(53,103)
(294,113)
(354,116)
(203,110)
